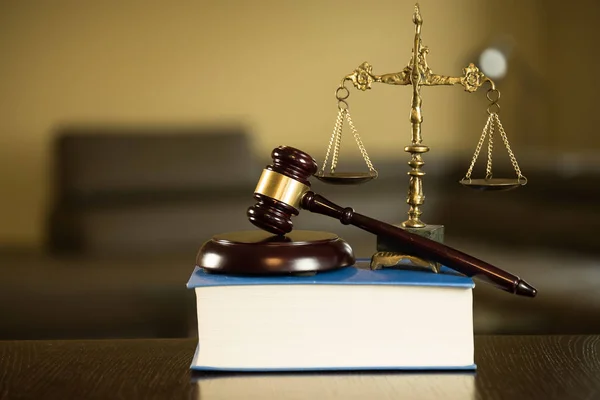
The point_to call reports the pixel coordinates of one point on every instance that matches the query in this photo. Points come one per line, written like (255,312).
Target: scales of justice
(284,189)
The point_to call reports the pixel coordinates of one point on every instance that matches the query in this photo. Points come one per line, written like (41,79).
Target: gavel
(284,188)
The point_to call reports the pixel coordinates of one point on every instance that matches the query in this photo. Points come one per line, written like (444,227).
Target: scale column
(415,196)
(415,189)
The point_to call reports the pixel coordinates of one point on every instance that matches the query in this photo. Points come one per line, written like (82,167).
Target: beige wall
(273,64)
(574,61)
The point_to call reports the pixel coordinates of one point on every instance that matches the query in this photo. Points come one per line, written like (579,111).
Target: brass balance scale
(416,74)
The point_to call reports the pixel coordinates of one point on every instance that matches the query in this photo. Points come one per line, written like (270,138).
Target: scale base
(262,253)
(392,255)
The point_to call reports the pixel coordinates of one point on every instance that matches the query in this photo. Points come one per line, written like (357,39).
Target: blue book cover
(353,275)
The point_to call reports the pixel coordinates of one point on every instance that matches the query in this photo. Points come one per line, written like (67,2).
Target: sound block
(262,253)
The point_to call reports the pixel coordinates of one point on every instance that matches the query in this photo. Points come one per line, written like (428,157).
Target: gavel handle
(421,246)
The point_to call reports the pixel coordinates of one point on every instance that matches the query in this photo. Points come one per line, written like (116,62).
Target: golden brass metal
(344,178)
(280,187)
(386,259)
(417,74)
(490,183)
(493,184)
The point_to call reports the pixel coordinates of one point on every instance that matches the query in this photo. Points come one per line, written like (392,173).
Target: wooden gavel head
(280,189)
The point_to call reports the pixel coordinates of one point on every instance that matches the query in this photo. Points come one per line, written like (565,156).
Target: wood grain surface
(509,367)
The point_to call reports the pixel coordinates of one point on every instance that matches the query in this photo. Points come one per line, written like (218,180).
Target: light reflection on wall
(493,63)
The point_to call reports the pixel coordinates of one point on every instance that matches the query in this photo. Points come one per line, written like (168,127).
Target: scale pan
(497,184)
(346,178)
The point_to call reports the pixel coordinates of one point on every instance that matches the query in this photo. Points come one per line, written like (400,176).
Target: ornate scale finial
(417,15)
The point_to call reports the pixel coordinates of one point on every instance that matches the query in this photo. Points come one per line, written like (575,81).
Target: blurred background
(132,131)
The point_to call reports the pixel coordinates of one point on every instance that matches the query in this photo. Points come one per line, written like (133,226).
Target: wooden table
(509,367)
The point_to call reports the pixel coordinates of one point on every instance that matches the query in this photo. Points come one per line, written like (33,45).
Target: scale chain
(359,142)
(341,94)
(493,121)
(338,141)
(478,148)
(488,167)
(336,129)
(513,159)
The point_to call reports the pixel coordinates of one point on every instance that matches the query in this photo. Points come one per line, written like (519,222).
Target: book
(352,318)
(338,385)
